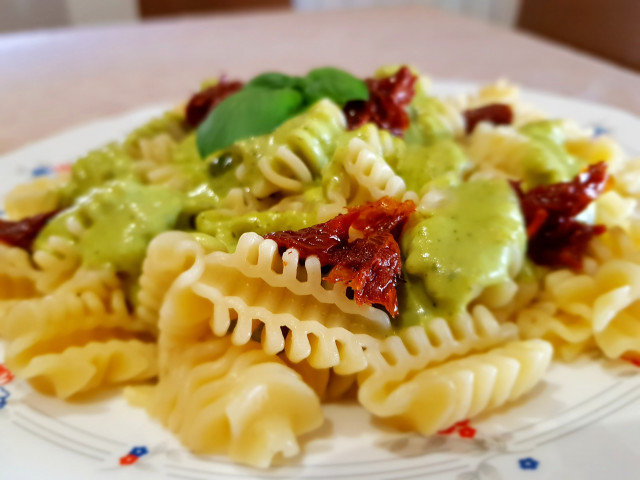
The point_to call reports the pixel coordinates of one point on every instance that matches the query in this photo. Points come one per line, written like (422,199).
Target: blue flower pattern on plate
(528,463)
(41,171)
(4,396)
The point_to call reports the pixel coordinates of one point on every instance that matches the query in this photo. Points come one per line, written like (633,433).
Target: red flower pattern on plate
(462,428)
(6,376)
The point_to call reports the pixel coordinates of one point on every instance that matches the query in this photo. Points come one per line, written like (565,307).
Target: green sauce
(120,218)
(473,239)
(545,159)
(228,229)
(99,166)
(438,164)
(311,136)
(428,121)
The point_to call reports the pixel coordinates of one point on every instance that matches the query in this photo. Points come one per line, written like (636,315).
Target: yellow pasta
(438,397)
(222,398)
(38,196)
(18,276)
(168,255)
(156,270)
(236,294)
(78,338)
(79,369)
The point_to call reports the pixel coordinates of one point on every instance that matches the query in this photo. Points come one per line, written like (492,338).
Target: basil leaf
(335,84)
(251,111)
(273,80)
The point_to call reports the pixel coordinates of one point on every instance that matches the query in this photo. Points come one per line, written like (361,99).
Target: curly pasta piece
(497,150)
(89,309)
(35,197)
(79,369)
(371,171)
(57,259)
(155,165)
(359,172)
(438,397)
(599,308)
(294,154)
(416,347)
(218,397)
(168,255)
(255,291)
(18,276)
(328,385)
(570,335)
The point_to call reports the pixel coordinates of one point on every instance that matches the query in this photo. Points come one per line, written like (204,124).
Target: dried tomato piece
(385,215)
(369,265)
(556,238)
(23,232)
(203,102)
(388,98)
(495,113)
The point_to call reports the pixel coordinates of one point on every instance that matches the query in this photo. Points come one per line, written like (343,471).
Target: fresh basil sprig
(270,99)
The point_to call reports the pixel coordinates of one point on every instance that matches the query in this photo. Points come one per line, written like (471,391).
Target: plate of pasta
(323,276)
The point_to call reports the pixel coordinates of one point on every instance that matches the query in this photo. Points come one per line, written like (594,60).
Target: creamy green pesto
(428,120)
(118,220)
(99,166)
(228,228)
(545,159)
(474,239)
(202,189)
(311,136)
(170,123)
(440,163)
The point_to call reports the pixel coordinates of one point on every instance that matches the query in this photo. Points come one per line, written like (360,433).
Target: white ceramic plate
(582,422)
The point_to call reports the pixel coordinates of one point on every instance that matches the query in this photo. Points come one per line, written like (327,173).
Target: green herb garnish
(269,100)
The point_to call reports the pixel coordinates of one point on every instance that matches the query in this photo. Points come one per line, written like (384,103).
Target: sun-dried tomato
(556,238)
(23,232)
(388,98)
(203,102)
(370,265)
(495,113)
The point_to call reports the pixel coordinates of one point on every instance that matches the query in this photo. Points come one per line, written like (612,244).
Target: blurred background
(607,29)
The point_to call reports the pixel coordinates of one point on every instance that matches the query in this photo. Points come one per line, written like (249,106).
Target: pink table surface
(52,80)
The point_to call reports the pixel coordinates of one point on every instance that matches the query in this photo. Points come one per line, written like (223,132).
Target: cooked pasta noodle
(38,196)
(236,294)
(218,397)
(154,266)
(438,397)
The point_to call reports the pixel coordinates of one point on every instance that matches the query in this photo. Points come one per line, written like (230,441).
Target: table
(52,80)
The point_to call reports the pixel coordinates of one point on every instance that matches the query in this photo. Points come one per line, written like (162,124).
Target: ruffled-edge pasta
(79,369)
(416,347)
(359,172)
(438,397)
(325,382)
(18,276)
(256,291)
(85,325)
(222,398)
(599,308)
(35,197)
(168,255)
(301,147)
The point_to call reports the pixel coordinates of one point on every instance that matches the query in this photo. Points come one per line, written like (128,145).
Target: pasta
(276,245)
(250,289)
(438,397)
(198,399)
